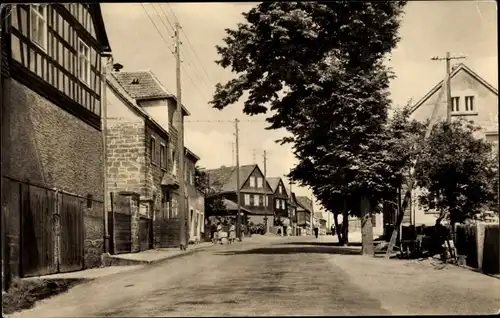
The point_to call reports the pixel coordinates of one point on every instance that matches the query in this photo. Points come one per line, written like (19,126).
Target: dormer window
(135,81)
(252,182)
(469,103)
(455,104)
(38,20)
(260,182)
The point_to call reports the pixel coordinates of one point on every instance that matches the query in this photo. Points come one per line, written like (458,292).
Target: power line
(157,30)
(166,27)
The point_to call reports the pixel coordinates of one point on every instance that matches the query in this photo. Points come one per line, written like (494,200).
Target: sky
(429,28)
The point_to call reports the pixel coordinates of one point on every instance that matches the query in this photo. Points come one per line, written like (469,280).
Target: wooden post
(366,227)
(180,143)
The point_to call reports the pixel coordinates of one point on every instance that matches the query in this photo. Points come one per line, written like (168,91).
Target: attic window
(135,81)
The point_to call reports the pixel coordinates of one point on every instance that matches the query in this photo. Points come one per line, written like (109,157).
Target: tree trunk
(337,227)
(366,228)
(345,225)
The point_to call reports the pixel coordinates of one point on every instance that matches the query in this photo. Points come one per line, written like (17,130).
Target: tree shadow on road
(299,248)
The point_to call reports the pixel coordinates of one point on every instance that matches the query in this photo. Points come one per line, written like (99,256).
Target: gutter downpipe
(108,59)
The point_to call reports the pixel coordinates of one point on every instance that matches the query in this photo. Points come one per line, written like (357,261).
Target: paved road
(268,277)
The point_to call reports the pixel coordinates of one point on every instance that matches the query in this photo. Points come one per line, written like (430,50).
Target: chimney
(117,67)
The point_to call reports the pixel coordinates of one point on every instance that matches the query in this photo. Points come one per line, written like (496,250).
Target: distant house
(254,190)
(196,198)
(472,99)
(293,205)
(304,215)
(52,151)
(279,200)
(143,132)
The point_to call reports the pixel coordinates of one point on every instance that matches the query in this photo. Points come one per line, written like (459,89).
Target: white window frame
(466,103)
(278,203)
(34,16)
(260,183)
(255,200)
(252,182)
(87,59)
(152,149)
(455,107)
(174,164)
(280,189)
(163,161)
(247,199)
(282,204)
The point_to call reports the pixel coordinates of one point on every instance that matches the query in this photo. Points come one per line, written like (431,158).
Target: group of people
(218,233)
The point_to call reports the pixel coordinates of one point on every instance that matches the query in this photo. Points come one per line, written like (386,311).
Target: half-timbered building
(52,150)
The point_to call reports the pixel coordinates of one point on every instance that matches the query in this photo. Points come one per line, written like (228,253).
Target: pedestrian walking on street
(316,231)
(219,233)
(288,231)
(215,236)
(232,233)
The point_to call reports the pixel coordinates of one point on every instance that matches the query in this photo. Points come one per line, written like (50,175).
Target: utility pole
(267,198)
(448,58)
(238,217)
(180,141)
(232,154)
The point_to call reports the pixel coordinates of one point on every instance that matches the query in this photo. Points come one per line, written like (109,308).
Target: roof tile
(141,85)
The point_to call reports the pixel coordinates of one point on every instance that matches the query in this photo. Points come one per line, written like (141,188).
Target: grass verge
(24,293)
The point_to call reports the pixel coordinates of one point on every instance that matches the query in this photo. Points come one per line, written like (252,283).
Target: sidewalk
(420,287)
(154,255)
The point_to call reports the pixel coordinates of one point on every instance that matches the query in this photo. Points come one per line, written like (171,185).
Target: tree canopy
(457,171)
(317,66)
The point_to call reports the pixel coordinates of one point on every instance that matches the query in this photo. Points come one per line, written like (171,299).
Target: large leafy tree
(317,66)
(457,171)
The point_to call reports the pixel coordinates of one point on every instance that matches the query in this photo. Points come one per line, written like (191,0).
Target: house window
(455,104)
(191,177)
(38,20)
(277,203)
(152,149)
(174,164)
(175,210)
(280,189)
(261,200)
(266,200)
(469,103)
(255,200)
(247,199)
(83,62)
(283,204)
(252,182)
(163,157)
(260,183)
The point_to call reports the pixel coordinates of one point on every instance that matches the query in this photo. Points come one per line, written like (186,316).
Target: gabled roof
(233,206)
(456,70)
(191,154)
(305,203)
(224,178)
(144,85)
(273,183)
(115,86)
(100,30)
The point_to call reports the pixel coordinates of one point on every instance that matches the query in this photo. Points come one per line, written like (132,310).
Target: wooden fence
(480,244)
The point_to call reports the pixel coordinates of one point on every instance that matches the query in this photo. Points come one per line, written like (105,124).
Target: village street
(279,276)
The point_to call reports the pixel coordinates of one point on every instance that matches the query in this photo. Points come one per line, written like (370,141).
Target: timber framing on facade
(56,51)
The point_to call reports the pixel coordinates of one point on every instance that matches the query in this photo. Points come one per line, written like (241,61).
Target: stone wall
(126,157)
(43,144)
